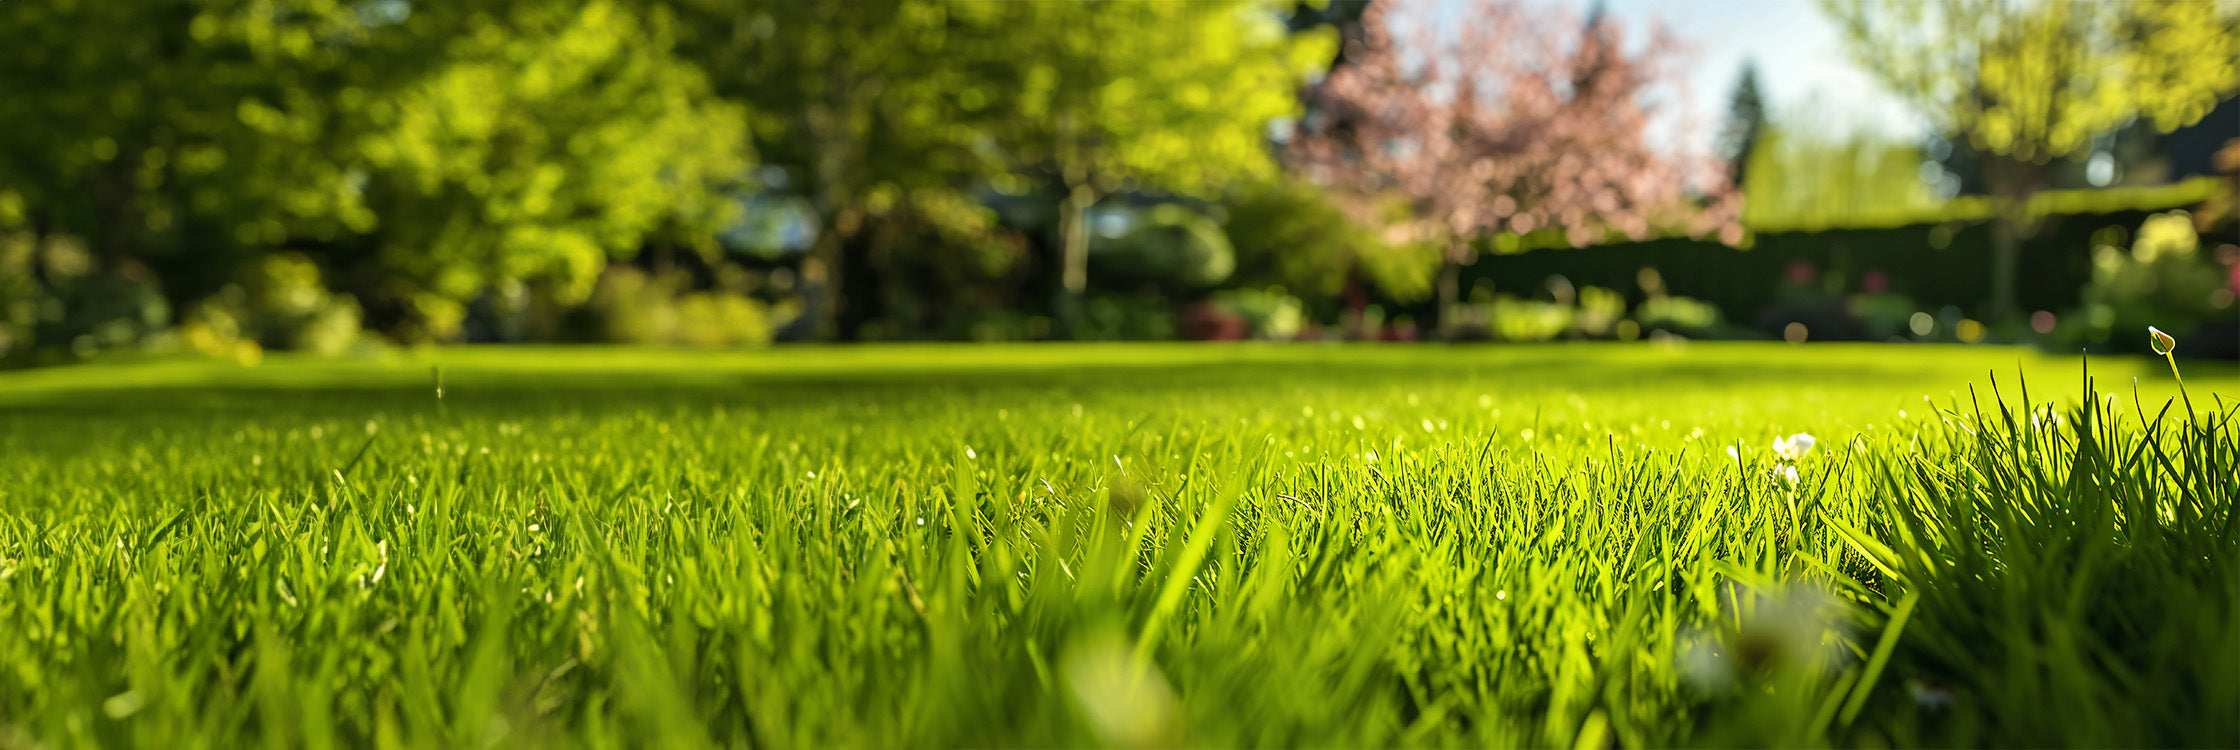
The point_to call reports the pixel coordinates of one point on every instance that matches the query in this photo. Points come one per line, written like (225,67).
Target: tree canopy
(2037,80)
(1175,97)
(2027,82)
(425,152)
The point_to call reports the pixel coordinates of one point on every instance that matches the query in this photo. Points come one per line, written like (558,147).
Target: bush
(279,303)
(633,307)
(1508,318)
(56,304)
(1685,316)
(1290,234)
(1171,245)
(1127,318)
(1883,316)
(1599,311)
(1210,321)
(2164,280)
(1003,324)
(1270,314)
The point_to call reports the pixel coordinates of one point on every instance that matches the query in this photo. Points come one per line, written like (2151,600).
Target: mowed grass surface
(1120,545)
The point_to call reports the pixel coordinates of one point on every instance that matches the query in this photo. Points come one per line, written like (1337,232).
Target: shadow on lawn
(598,391)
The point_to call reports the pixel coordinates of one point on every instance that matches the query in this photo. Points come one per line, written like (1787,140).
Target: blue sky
(1803,71)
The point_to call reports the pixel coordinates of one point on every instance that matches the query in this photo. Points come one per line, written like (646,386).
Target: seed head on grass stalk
(2164,344)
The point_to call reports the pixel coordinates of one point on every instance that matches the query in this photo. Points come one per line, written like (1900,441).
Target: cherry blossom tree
(1507,120)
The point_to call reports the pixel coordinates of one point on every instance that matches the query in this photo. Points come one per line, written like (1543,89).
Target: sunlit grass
(1126,545)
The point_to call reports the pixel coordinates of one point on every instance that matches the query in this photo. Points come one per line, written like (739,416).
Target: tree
(1111,94)
(551,140)
(431,152)
(1491,125)
(1746,122)
(2024,82)
(188,139)
(873,111)
(1807,178)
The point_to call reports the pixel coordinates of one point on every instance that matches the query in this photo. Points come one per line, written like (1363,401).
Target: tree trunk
(1450,289)
(826,269)
(820,293)
(861,298)
(1073,241)
(2013,183)
(2006,257)
(822,275)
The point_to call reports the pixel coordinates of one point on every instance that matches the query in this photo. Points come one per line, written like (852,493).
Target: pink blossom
(1510,118)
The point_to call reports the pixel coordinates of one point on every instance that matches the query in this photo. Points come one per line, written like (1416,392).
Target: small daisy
(1792,447)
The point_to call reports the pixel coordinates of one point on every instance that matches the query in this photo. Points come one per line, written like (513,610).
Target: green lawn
(1120,545)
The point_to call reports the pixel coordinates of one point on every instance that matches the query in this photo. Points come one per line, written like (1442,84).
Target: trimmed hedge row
(1934,264)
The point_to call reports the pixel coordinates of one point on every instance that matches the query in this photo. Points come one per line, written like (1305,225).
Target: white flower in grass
(1789,474)
(1792,447)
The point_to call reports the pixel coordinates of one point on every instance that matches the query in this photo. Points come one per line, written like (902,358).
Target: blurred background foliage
(334,176)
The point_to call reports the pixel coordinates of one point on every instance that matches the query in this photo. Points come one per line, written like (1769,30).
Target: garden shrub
(2163,280)
(635,307)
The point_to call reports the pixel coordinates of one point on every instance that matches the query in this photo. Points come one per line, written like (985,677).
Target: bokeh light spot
(1969,331)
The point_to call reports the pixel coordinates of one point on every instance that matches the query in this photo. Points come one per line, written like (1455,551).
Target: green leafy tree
(554,139)
(1292,234)
(1799,180)
(427,151)
(2027,82)
(874,113)
(172,142)
(1117,94)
